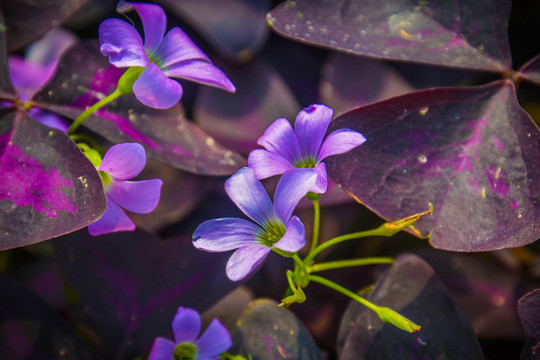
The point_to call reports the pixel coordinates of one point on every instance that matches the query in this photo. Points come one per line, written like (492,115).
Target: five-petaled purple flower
(174,55)
(274,228)
(30,73)
(120,163)
(186,328)
(302,147)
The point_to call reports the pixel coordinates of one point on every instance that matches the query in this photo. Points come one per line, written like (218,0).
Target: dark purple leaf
(483,291)
(84,76)
(48,187)
(181,193)
(266,331)
(238,120)
(26,20)
(6,88)
(130,284)
(350,81)
(472,152)
(460,34)
(529,314)
(236,28)
(29,329)
(531,70)
(411,288)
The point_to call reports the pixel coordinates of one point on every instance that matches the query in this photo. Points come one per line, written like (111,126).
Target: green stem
(316,224)
(92,109)
(344,291)
(338,240)
(88,139)
(384,313)
(349,263)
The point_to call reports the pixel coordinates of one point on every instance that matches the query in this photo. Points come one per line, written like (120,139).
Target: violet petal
(245,260)
(113,219)
(121,43)
(186,325)
(124,161)
(310,127)
(153,88)
(294,238)
(47,50)
(49,119)
(247,192)
(214,341)
(225,234)
(139,197)
(321,184)
(201,72)
(267,163)
(291,188)
(177,46)
(280,138)
(163,349)
(153,19)
(27,77)
(339,142)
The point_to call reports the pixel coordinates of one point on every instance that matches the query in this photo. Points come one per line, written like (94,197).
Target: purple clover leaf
(28,74)
(302,147)
(186,327)
(121,163)
(273,227)
(161,57)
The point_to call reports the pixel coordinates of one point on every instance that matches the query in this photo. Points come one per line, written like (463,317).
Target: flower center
(307,162)
(105,179)
(185,351)
(271,233)
(154,58)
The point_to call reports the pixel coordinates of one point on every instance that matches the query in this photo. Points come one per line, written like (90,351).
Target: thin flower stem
(349,263)
(88,139)
(338,240)
(316,224)
(344,291)
(92,109)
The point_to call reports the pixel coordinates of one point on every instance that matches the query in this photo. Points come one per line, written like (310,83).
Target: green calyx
(307,162)
(95,158)
(185,351)
(126,81)
(272,232)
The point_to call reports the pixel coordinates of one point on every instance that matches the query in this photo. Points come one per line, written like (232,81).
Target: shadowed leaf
(6,88)
(411,288)
(351,81)
(529,313)
(531,70)
(84,76)
(236,28)
(130,284)
(238,120)
(460,33)
(29,329)
(266,331)
(48,187)
(26,20)
(471,152)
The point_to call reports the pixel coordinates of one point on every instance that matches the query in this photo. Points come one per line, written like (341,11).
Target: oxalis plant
(138,263)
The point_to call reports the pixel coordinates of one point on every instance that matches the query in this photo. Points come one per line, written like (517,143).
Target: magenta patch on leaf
(27,183)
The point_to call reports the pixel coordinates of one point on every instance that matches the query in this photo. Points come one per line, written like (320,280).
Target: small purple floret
(273,225)
(121,163)
(186,328)
(162,55)
(305,146)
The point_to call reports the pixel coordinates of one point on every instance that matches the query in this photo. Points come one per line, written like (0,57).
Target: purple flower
(273,226)
(30,73)
(120,163)
(302,147)
(172,55)
(186,328)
